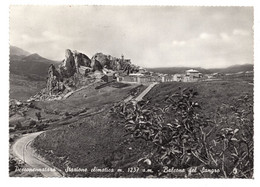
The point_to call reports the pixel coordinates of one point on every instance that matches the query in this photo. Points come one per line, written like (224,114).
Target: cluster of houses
(143,77)
(139,75)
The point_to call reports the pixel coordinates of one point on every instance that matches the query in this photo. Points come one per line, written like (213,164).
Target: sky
(151,36)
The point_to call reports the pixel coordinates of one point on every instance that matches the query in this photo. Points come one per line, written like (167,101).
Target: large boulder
(102,59)
(95,65)
(81,59)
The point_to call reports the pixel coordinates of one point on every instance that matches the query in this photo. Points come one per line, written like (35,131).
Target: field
(87,141)
(22,87)
(59,112)
(105,140)
(210,94)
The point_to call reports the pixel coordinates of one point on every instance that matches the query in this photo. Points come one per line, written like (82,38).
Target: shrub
(32,123)
(38,115)
(41,127)
(18,126)
(13,164)
(182,136)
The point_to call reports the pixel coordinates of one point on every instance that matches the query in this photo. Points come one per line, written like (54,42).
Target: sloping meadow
(195,130)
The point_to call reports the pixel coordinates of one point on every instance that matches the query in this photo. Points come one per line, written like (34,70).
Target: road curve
(25,152)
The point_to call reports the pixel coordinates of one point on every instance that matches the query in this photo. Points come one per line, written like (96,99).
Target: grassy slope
(87,141)
(99,140)
(22,88)
(211,94)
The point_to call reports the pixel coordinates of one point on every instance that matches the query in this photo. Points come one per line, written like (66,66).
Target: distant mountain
(231,69)
(176,70)
(18,51)
(235,68)
(28,73)
(32,65)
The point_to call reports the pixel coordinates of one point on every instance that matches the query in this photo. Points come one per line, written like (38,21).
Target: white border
(4,10)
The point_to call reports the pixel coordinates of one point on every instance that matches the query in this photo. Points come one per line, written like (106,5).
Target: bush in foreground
(183,136)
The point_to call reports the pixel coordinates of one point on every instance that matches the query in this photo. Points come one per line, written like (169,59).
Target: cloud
(240,32)
(178,43)
(224,36)
(150,36)
(205,36)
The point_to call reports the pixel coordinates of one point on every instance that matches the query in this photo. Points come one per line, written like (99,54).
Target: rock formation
(54,81)
(69,63)
(78,70)
(96,65)
(81,60)
(115,65)
(102,59)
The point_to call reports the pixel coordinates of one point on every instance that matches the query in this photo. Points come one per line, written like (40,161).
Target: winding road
(25,152)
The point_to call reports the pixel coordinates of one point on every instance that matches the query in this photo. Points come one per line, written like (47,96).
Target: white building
(177,77)
(192,75)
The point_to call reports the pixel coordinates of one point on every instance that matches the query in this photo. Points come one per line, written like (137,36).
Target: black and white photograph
(102,91)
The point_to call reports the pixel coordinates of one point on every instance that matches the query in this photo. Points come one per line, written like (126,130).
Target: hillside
(91,122)
(84,119)
(28,73)
(18,51)
(101,140)
(23,87)
(176,70)
(235,69)
(231,69)
(29,65)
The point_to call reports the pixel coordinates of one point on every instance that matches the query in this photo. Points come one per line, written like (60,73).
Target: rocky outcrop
(102,59)
(69,75)
(69,63)
(96,65)
(78,70)
(81,60)
(54,81)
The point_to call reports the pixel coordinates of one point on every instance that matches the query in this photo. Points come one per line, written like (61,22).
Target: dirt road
(140,97)
(25,152)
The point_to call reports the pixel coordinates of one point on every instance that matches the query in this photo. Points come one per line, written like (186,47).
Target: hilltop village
(78,71)
(144,76)
(108,68)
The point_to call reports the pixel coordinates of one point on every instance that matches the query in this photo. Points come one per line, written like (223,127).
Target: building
(148,79)
(167,78)
(128,79)
(142,70)
(187,78)
(178,77)
(192,75)
(138,78)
